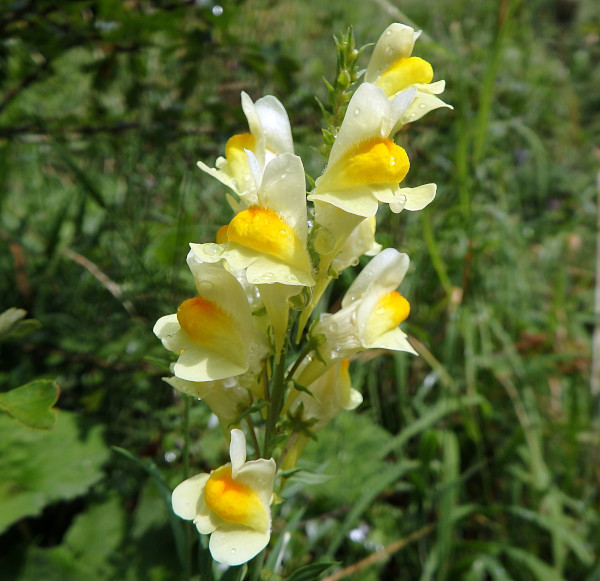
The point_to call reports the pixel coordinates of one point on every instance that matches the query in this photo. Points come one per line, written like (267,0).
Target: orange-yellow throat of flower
(237,160)
(206,323)
(376,161)
(391,309)
(262,229)
(405,73)
(235,502)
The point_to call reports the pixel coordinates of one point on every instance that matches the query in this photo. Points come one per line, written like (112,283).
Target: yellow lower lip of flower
(376,161)
(262,229)
(405,73)
(206,323)
(234,149)
(391,309)
(235,502)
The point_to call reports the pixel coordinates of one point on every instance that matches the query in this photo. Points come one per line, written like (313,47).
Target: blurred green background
(478,460)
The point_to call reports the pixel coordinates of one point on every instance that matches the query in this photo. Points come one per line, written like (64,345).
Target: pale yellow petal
(186,496)
(234,545)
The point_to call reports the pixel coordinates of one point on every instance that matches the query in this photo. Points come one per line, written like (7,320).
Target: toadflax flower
(394,70)
(369,316)
(365,166)
(213,331)
(231,504)
(270,135)
(268,240)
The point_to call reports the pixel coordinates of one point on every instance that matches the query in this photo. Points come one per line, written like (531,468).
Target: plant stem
(277,392)
(253,436)
(310,346)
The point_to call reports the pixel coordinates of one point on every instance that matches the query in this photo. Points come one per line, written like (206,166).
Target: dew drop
(422,106)
(233,551)
(357,111)
(217,10)
(213,249)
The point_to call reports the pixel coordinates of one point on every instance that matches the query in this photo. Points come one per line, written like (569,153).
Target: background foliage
(477,461)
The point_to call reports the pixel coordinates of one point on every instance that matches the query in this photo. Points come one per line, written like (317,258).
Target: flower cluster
(259,282)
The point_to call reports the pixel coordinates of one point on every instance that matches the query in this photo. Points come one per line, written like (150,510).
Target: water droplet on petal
(233,551)
(213,249)
(422,106)
(357,111)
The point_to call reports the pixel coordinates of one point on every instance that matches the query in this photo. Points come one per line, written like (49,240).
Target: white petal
(260,476)
(423,104)
(359,201)
(396,42)
(186,495)
(417,198)
(166,326)
(367,116)
(266,270)
(219,174)
(201,364)
(236,545)
(384,273)
(275,124)
(197,389)
(256,168)
(400,104)
(356,399)
(394,340)
(283,189)
(237,451)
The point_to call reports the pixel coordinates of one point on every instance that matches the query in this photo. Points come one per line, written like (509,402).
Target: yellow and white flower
(231,504)
(394,70)
(212,332)
(370,312)
(365,166)
(270,135)
(268,240)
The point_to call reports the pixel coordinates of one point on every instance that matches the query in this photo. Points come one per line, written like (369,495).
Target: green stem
(308,348)
(255,443)
(277,394)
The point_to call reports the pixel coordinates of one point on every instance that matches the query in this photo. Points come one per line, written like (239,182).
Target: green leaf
(39,468)
(12,325)
(310,572)
(31,404)
(541,570)
(309,477)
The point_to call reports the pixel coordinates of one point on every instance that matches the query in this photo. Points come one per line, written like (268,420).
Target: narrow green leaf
(177,525)
(310,572)
(541,570)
